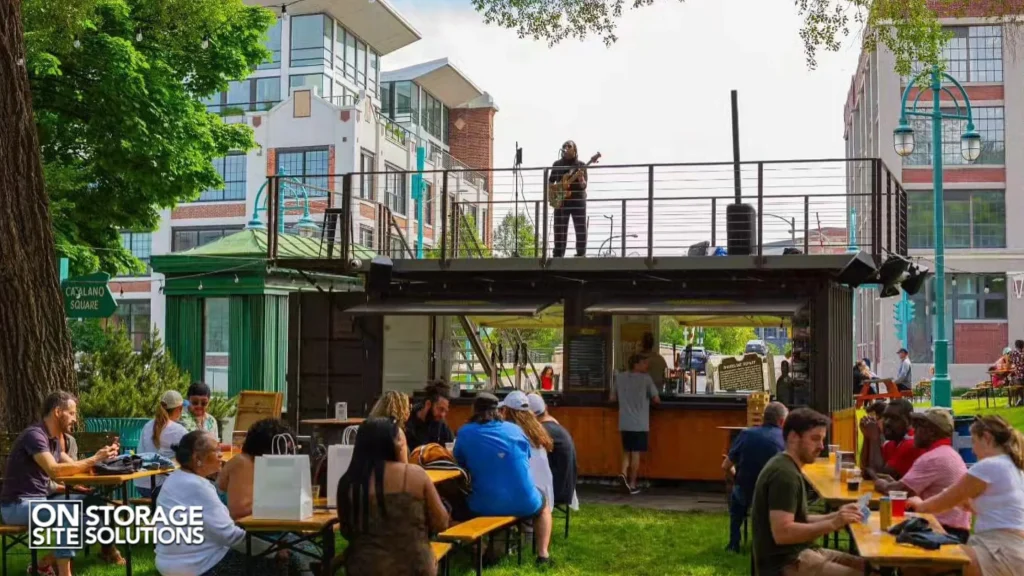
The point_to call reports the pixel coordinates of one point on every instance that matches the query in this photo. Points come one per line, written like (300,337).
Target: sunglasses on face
(200,403)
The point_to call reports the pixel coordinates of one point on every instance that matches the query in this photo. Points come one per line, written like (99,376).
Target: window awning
(704,312)
(454,307)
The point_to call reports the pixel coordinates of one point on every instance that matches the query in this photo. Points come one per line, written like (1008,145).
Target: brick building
(323,106)
(984,309)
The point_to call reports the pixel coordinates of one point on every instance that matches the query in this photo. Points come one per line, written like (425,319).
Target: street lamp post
(970,149)
(790,221)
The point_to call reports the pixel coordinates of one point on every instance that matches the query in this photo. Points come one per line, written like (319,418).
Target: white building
(321,108)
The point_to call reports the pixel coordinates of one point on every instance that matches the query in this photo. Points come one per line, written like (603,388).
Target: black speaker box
(740,229)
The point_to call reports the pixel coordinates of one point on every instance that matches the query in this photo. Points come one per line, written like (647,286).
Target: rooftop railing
(654,210)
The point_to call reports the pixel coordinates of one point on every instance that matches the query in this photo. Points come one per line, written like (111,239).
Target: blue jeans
(18,515)
(737,514)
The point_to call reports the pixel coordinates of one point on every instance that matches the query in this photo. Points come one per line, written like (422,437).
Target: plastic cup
(832,450)
(316,491)
(450,446)
(899,503)
(853,480)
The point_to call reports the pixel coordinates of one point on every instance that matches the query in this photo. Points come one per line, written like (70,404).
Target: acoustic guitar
(559,191)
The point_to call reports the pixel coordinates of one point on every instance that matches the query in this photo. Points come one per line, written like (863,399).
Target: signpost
(88,296)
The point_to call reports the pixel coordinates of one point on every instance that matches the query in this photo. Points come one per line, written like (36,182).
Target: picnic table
(329,430)
(879,548)
(822,477)
(111,481)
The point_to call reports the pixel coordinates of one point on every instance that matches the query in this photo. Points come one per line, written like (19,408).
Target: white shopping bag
(281,485)
(339,456)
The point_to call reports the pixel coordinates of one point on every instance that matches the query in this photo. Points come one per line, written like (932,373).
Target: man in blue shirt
(497,456)
(751,450)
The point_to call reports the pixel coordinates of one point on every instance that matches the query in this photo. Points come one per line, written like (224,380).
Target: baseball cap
(537,405)
(484,401)
(941,418)
(171,400)
(516,401)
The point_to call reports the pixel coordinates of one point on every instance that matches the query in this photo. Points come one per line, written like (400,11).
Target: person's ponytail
(160,420)
(1008,438)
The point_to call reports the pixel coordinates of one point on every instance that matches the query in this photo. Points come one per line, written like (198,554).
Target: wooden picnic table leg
(327,535)
(127,546)
(479,556)
(248,552)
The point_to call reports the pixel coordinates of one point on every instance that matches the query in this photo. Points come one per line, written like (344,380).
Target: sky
(660,94)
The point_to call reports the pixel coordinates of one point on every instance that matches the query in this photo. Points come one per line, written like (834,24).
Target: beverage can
(884,512)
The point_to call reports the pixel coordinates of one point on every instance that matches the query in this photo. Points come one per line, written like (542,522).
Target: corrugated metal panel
(832,362)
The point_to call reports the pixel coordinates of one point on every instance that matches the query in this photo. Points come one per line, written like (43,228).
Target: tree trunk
(35,349)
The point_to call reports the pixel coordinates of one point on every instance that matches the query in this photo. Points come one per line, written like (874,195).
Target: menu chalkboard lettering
(587,361)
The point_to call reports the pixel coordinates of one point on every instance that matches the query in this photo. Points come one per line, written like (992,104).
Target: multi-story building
(984,307)
(322,106)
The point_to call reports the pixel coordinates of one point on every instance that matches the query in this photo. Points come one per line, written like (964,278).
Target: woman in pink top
(938,468)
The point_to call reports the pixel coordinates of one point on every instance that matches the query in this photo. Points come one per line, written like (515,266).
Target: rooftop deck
(820,213)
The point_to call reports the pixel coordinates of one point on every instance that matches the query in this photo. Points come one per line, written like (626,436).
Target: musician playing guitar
(575,204)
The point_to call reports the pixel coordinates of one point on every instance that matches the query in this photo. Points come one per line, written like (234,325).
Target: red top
(547,382)
(900,456)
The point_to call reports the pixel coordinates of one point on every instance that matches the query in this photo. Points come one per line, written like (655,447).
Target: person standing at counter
(656,365)
(635,392)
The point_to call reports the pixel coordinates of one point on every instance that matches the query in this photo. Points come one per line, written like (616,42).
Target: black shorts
(634,441)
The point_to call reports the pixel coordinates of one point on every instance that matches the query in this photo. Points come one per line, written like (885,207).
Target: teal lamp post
(306,225)
(970,149)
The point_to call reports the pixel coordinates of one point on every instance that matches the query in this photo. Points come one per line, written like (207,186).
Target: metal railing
(661,210)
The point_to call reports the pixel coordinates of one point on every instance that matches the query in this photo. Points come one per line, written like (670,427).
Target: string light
(200,284)
(77,43)
(138,34)
(206,41)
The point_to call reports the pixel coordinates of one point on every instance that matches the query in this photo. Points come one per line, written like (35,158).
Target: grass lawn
(603,539)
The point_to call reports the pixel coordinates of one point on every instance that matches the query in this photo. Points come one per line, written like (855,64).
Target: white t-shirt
(219,531)
(540,472)
(1001,506)
(169,436)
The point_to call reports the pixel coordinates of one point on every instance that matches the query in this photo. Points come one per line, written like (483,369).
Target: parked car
(698,359)
(756,347)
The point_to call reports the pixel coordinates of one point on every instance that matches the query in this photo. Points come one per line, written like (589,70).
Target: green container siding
(184,335)
(258,343)
(129,429)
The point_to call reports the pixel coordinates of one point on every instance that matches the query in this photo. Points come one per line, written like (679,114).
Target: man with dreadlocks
(574,205)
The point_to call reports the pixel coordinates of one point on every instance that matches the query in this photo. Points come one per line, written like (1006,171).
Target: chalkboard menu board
(746,374)
(588,360)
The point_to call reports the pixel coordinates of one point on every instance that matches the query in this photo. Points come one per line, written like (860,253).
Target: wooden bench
(441,550)
(473,533)
(11,536)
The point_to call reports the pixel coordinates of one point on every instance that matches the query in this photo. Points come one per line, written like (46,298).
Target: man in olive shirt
(784,533)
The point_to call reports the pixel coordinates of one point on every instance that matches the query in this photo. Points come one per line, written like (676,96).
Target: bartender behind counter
(656,365)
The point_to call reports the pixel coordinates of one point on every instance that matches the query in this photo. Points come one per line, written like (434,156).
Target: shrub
(117,382)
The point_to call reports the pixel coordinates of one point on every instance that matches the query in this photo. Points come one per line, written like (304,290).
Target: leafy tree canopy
(910,28)
(515,234)
(116,89)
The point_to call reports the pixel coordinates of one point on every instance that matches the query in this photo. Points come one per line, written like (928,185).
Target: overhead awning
(550,317)
(453,307)
(704,312)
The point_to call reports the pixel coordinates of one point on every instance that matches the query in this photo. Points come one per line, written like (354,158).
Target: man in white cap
(563,458)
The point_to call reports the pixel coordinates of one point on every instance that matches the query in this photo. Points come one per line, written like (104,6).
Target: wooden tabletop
(333,422)
(91,479)
(438,476)
(822,477)
(880,548)
(315,523)
(732,427)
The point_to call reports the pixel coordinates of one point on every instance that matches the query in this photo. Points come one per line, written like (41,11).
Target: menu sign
(588,357)
(746,374)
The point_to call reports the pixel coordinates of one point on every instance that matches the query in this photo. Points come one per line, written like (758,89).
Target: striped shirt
(934,471)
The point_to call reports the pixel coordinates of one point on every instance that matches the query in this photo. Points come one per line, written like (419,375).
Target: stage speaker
(740,229)
(855,273)
(915,279)
(787,251)
(378,279)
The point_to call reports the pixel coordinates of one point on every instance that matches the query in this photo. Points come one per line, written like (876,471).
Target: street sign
(88,296)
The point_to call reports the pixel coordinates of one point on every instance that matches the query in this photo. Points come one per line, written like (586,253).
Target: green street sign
(88,296)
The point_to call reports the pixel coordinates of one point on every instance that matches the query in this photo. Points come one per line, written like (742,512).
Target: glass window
(183,239)
(134,315)
(216,342)
(386,106)
(328,42)
(239,95)
(268,93)
(444,124)
(273,43)
(311,40)
(403,101)
(350,57)
(394,189)
(414,103)
(339,50)
(980,296)
(988,121)
(371,71)
(973,219)
(360,64)
(366,237)
(318,83)
(367,164)
(232,170)
(140,244)
(304,167)
(973,54)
